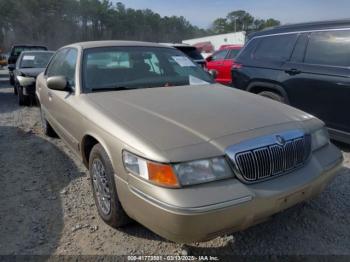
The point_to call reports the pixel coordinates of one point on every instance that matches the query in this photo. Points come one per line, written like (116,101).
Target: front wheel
(104,190)
(22,99)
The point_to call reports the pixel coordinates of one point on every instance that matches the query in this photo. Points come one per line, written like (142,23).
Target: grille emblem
(280,140)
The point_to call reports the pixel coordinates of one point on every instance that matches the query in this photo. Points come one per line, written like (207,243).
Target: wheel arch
(87,143)
(259,86)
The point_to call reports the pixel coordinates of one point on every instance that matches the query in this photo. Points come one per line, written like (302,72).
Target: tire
(46,127)
(22,99)
(273,96)
(102,180)
(12,81)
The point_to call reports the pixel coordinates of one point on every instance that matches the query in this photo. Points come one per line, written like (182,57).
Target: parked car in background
(304,65)
(166,146)
(190,51)
(3,59)
(222,61)
(28,66)
(16,50)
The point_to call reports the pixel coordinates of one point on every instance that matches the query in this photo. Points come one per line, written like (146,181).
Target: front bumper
(204,212)
(29,90)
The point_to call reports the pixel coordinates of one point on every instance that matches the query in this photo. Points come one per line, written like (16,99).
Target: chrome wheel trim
(101,186)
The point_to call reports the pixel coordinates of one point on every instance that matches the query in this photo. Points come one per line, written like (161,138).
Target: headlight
(185,174)
(319,139)
(159,174)
(203,171)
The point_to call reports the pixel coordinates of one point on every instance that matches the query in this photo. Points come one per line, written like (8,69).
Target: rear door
(318,77)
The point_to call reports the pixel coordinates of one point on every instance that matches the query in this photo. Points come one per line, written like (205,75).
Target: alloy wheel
(101,186)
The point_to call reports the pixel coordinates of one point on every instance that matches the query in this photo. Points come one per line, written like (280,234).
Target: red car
(222,62)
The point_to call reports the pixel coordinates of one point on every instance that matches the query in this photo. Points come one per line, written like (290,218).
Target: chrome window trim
(301,32)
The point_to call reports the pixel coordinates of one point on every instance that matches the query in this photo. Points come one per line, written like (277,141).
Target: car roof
(95,44)
(229,47)
(303,27)
(178,45)
(40,46)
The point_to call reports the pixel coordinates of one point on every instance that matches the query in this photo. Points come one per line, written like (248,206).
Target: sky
(203,12)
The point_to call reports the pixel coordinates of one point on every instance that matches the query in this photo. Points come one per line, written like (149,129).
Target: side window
(275,48)
(300,48)
(69,65)
(55,66)
(329,48)
(220,55)
(233,53)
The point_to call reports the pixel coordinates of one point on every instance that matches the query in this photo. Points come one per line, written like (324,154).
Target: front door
(216,62)
(61,104)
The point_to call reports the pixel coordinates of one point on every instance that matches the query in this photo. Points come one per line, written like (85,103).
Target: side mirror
(209,58)
(213,73)
(11,67)
(58,83)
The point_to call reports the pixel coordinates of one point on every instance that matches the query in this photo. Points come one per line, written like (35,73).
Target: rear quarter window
(329,48)
(275,48)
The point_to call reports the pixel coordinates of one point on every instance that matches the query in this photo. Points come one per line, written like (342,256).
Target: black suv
(16,50)
(304,65)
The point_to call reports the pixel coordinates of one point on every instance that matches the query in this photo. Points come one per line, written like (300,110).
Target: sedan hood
(174,117)
(32,72)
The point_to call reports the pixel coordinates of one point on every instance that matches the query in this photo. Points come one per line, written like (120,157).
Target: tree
(241,20)
(57,23)
(220,26)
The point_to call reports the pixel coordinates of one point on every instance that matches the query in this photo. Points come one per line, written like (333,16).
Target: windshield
(35,60)
(121,68)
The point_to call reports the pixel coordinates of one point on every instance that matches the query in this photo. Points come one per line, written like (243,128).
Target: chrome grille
(270,158)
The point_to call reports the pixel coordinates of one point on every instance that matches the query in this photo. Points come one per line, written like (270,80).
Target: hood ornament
(280,140)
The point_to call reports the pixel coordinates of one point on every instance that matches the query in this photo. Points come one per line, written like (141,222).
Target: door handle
(293,71)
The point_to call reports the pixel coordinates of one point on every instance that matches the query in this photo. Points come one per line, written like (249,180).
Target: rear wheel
(104,189)
(273,96)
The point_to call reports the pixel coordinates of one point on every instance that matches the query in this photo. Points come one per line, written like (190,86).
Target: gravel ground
(46,206)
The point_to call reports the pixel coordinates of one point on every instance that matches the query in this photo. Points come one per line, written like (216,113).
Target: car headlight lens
(319,139)
(156,173)
(203,171)
(185,174)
